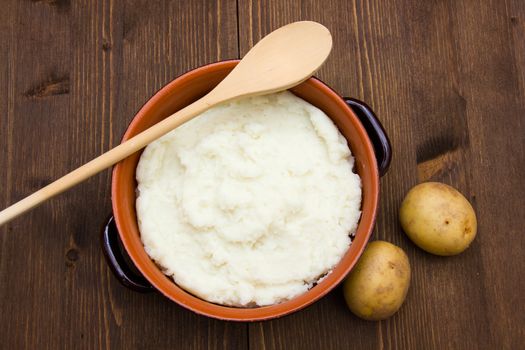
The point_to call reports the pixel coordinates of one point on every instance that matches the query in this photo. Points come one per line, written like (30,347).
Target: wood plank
(417,63)
(443,153)
(32,257)
(76,72)
(492,75)
(7,49)
(366,64)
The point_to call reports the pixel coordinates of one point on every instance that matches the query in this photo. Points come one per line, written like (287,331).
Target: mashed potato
(251,202)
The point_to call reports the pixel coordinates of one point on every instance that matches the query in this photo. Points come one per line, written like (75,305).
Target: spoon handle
(282,59)
(105,160)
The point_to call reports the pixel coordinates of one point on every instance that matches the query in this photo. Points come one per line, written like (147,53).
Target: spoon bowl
(283,59)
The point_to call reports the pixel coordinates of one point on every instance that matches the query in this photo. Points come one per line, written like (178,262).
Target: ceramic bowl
(368,143)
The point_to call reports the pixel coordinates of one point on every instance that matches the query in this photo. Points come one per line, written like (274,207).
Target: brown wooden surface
(447,78)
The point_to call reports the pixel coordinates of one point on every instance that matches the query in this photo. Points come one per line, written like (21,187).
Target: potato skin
(438,218)
(378,284)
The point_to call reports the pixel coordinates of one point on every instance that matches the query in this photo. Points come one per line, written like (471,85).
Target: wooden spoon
(284,58)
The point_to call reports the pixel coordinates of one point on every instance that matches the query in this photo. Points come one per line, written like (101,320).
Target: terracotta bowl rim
(266,312)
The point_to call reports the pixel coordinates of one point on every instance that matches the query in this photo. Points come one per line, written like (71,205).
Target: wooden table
(447,78)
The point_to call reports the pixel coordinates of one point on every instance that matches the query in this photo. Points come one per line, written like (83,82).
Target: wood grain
(447,79)
(75,74)
(493,84)
(420,65)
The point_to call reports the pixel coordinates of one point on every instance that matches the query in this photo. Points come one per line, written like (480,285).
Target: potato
(438,218)
(377,285)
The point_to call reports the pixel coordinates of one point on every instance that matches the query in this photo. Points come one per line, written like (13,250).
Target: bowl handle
(376,132)
(113,252)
